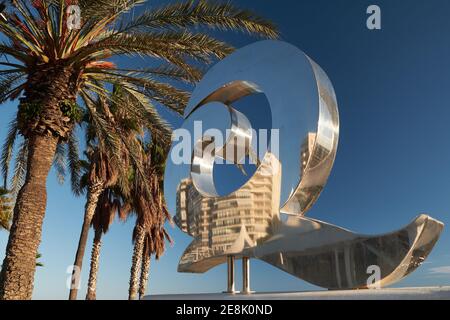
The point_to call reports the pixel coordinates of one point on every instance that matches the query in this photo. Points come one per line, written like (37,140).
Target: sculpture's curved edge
(423,245)
(323,153)
(341,259)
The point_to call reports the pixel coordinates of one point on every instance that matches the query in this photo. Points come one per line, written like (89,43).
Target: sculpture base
(231,292)
(421,293)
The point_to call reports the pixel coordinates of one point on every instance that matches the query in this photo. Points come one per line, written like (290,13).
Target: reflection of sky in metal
(221,123)
(291,81)
(287,81)
(259,120)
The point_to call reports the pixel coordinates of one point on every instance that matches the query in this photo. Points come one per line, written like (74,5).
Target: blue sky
(393,160)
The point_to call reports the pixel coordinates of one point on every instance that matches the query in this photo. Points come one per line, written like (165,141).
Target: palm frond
(15,53)
(75,166)
(8,150)
(98,9)
(20,169)
(158,127)
(169,96)
(105,129)
(223,16)
(59,162)
(171,72)
(165,45)
(9,81)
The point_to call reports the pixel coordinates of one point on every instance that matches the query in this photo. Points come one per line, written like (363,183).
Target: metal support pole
(230,275)
(246,276)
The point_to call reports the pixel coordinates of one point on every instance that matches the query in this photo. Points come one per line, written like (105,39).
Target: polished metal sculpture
(265,217)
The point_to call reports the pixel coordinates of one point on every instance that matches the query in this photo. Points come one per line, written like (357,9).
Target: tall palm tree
(105,161)
(52,67)
(109,165)
(152,215)
(149,234)
(108,169)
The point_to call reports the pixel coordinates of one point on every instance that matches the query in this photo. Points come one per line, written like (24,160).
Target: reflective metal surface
(230,276)
(246,276)
(264,217)
(334,258)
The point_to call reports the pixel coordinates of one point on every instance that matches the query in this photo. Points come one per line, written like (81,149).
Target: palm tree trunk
(136,262)
(95,255)
(19,265)
(95,190)
(144,275)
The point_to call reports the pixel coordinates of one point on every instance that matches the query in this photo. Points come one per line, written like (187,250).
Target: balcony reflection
(229,225)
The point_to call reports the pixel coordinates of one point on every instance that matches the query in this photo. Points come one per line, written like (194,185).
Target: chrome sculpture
(265,217)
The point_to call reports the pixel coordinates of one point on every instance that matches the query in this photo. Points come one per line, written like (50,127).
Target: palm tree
(97,175)
(149,234)
(152,215)
(107,175)
(109,165)
(52,67)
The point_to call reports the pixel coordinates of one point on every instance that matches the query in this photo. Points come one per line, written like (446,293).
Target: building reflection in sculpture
(229,225)
(334,258)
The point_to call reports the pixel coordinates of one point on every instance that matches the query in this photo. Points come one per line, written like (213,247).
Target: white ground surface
(424,293)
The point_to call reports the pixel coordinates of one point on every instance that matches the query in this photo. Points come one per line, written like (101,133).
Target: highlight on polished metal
(264,218)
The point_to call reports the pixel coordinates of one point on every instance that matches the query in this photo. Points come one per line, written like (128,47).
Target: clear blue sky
(393,160)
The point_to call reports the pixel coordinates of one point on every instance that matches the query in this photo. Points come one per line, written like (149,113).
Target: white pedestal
(424,293)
